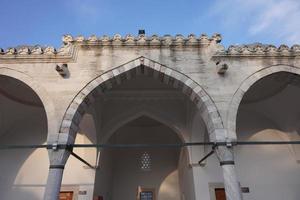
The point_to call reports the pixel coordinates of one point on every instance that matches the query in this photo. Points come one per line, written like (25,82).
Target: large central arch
(141,65)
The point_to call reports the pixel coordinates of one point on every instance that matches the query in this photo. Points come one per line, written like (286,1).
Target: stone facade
(70,79)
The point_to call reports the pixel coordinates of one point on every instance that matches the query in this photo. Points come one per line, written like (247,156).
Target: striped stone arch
(40,92)
(138,66)
(243,88)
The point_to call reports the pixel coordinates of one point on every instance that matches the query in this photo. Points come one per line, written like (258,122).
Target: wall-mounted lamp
(222,68)
(62,70)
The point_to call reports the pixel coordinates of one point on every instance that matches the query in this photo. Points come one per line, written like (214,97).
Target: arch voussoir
(139,66)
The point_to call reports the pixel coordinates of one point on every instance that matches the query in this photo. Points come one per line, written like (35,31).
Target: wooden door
(66,195)
(220,194)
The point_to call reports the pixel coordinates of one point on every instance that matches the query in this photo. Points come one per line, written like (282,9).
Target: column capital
(225,155)
(58,158)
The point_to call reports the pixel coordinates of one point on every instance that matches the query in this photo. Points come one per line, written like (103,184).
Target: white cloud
(279,19)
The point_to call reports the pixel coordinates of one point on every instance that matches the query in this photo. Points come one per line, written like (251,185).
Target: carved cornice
(39,54)
(143,40)
(260,50)
(29,54)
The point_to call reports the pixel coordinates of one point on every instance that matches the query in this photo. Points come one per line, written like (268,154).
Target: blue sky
(239,21)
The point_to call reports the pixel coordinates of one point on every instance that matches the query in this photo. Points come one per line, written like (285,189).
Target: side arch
(40,92)
(243,88)
(141,65)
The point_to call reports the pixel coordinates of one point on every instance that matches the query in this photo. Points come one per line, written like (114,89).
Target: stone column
(231,183)
(58,159)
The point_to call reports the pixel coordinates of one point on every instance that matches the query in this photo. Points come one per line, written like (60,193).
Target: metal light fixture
(62,70)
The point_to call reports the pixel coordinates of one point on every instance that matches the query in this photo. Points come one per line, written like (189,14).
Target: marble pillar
(231,183)
(58,159)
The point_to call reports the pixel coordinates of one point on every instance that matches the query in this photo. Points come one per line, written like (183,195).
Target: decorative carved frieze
(105,40)
(179,40)
(70,42)
(129,40)
(79,38)
(204,39)
(258,49)
(11,51)
(192,40)
(92,38)
(117,40)
(67,39)
(49,50)
(37,50)
(155,40)
(24,51)
(217,37)
(143,40)
(295,48)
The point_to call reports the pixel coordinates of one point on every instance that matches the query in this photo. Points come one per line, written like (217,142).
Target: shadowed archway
(144,66)
(269,111)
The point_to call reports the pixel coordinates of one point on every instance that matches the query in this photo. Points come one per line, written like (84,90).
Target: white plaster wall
(186,180)
(203,176)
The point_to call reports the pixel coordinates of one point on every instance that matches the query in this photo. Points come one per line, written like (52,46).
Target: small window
(146,195)
(145,162)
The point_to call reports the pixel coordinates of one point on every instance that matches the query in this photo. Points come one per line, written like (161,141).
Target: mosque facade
(111,118)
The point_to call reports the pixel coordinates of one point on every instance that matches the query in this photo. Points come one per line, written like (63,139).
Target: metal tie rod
(70,147)
(66,146)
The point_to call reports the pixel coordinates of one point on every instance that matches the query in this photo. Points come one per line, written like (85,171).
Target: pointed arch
(40,92)
(245,86)
(140,111)
(138,66)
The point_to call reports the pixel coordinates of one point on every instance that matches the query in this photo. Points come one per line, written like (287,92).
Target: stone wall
(215,79)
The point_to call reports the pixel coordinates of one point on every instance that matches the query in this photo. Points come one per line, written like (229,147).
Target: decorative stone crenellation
(116,40)
(256,49)
(143,40)
(38,53)
(259,49)
(34,50)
